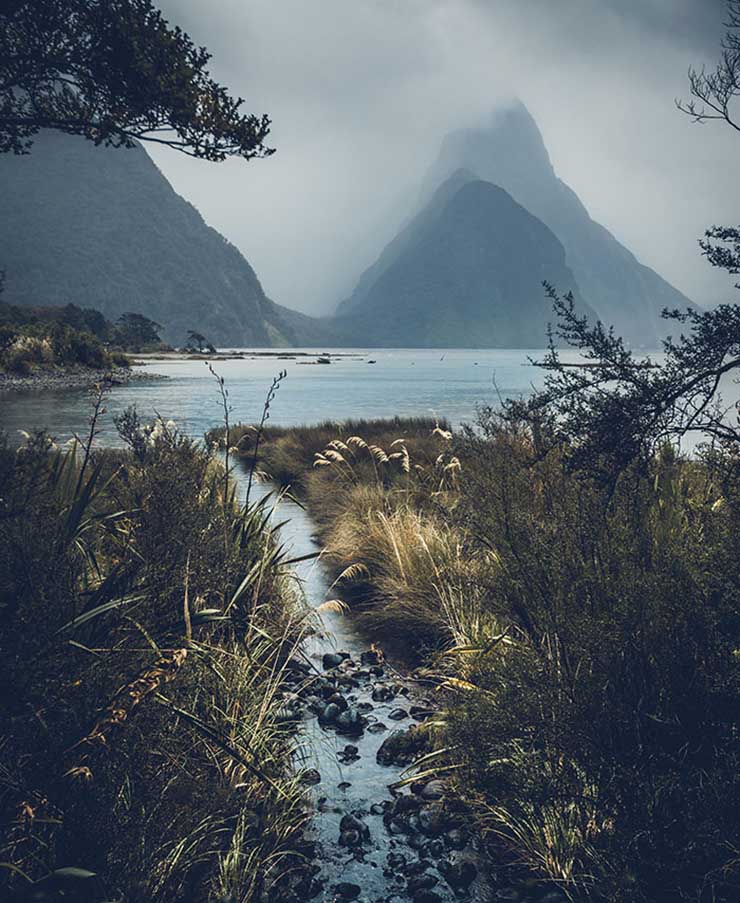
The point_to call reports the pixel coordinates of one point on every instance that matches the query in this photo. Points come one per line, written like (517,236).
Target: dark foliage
(613,407)
(136,332)
(139,742)
(714,94)
(114,71)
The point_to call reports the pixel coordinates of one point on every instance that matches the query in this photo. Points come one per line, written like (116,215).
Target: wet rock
(377,727)
(398,714)
(310,777)
(416,842)
(344,785)
(421,883)
(347,891)
(432,820)
(427,896)
(436,848)
(349,721)
(434,790)
(333,659)
(456,839)
(324,688)
(420,713)
(415,868)
(459,875)
(396,861)
(297,666)
(365,707)
(383,693)
(402,747)
(307,888)
(350,753)
(330,713)
(352,832)
(315,704)
(405,804)
(371,657)
(339,700)
(378,808)
(396,826)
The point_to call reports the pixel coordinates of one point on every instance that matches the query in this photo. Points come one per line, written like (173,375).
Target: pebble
(377,728)
(434,790)
(350,753)
(347,891)
(398,714)
(349,721)
(333,659)
(383,693)
(330,713)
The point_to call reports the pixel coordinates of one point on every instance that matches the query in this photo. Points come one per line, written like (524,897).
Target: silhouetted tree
(113,71)
(714,94)
(614,407)
(199,341)
(135,332)
(611,408)
(714,97)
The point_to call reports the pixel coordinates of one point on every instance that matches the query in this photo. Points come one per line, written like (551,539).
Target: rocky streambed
(374,836)
(363,725)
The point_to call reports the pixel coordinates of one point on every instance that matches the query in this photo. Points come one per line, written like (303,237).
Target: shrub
(26,352)
(147,623)
(600,740)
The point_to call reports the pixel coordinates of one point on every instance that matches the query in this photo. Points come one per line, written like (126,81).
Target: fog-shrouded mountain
(511,153)
(465,272)
(102,228)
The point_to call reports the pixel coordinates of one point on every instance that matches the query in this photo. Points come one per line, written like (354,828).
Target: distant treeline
(38,337)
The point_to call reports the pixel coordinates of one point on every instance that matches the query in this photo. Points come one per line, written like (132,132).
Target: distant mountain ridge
(103,228)
(511,153)
(465,272)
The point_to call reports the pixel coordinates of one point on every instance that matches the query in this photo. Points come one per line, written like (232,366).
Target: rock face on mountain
(466,272)
(102,228)
(511,153)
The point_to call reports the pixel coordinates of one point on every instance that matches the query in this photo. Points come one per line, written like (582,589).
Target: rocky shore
(71,378)
(377,835)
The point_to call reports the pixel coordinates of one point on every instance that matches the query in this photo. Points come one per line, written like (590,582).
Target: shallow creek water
(374,842)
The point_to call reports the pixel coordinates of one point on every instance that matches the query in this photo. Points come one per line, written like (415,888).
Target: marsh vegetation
(148,622)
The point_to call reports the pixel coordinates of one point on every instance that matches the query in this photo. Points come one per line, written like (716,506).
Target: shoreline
(72,378)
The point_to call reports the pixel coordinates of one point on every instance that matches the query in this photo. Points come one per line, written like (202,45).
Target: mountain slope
(466,272)
(510,152)
(102,228)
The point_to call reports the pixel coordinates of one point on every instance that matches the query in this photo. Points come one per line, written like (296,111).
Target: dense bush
(586,632)
(147,621)
(599,736)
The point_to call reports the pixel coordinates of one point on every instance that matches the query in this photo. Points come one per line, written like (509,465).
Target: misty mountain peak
(508,143)
(508,150)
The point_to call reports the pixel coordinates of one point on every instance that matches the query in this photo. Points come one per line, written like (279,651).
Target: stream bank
(362,722)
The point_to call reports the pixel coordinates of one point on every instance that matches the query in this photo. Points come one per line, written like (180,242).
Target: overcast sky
(361,93)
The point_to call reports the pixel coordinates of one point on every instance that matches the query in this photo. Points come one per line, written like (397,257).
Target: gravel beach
(71,378)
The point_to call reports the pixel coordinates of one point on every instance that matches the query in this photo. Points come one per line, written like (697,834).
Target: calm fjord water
(447,384)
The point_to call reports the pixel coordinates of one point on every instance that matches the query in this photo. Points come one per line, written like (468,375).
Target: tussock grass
(147,623)
(585,635)
(286,454)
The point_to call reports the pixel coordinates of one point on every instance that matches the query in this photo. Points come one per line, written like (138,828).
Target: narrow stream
(374,844)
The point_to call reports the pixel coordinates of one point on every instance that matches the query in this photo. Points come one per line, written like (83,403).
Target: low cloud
(361,94)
